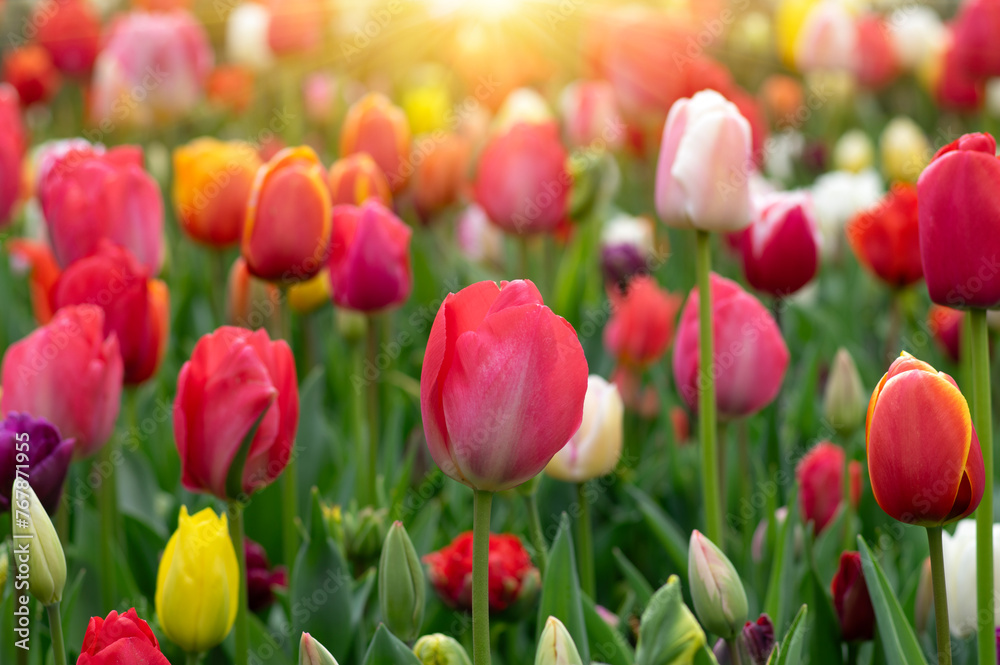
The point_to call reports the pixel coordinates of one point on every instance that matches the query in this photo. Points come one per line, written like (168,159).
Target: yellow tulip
(427,107)
(311,294)
(905,150)
(198,584)
(789,18)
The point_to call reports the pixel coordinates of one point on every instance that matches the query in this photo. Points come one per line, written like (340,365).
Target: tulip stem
(940,596)
(585,543)
(983,418)
(483,502)
(106,503)
(372,477)
(290,476)
(242,626)
(56,632)
(536,533)
(192,658)
(706,396)
(734,650)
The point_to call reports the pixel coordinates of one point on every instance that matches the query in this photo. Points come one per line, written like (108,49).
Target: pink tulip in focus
(13,144)
(820,475)
(781,247)
(369,257)
(750,356)
(69,373)
(502,386)
(701,175)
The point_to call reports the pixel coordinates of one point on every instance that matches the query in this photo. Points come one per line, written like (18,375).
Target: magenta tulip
(781,247)
(13,144)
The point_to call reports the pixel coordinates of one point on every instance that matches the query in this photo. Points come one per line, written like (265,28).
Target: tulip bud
(70,30)
(781,246)
(311,652)
(719,599)
(641,326)
(844,399)
(440,176)
(851,600)
(820,475)
(596,447)
(904,149)
(360,532)
(556,646)
(35,537)
(355,179)
(401,586)
(853,152)
(438,649)
(375,126)
(428,106)
(120,636)
(230,88)
(959,554)
(262,580)
(758,637)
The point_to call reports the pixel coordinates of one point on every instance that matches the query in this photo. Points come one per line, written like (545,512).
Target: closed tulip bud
(701,178)
(350,324)
(954,87)
(34,534)
(499,359)
(13,144)
(959,551)
(286,234)
(230,88)
(296,26)
(924,458)
(34,444)
(820,475)
(945,324)
(853,152)
(250,302)
(590,115)
(904,150)
(375,126)
(886,237)
(120,638)
(321,93)
(70,30)
(212,182)
(198,582)
(844,399)
(360,532)
(29,69)
(851,600)
(355,179)
(246,36)
(758,636)
(439,649)
(747,381)
(781,246)
(311,652)
(960,223)
(401,587)
(641,326)
(441,175)
(556,646)
(596,447)
(716,589)
(78,386)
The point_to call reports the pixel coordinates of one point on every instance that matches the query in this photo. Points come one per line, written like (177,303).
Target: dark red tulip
(781,247)
(262,579)
(851,600)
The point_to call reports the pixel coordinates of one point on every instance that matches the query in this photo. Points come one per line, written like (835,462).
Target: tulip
(428,105)
(758,636)
(13,144)
(35,446)
(820,475)
(212,182)
(851,600)
(46,562)
(959,551)
(401,586)
(875,64)
(974,26)
(783,99)
(247,36)
(322,94)
(828,39)
(844,399)
(262,579)
(230,88)
(88,195)
(478,238)
(522,182)
(440,175)
(945,324)
(627,248)
(719,599)
(136,308)
(590,115)
(540,409)
(289,189)
(904,150)
(30,71)
(166,56)
(960,224)
(838,196)
(853,152)
(355,179)
(311,652)
(556,646)
(596,447)
(69,373)
(439,649)
(360,532)
(886,238)
(701,173)
(781,247)
(953,87)
(296,26)
(120,638)
(641,326)
(749,368)
(512,578)
(70,31)
(373,125)
(36,259)
(198,582)
(235,385)
(915,31)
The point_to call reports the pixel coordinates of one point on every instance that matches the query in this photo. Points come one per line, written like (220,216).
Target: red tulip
(960,223)
(502,385)
(522,183)
(88,195)
(355,179)
(954,87)
(262,579)
(374,125)
(781,246)
(30,70)
(13,144)
(70,31)
(236,382)
(876,63)
(119,639)
(136,308)
(946,326)
(975,29)
(886,238)
(641,326)
(369,258)
(69,373)
(750,355)
(440,176)
(924,459)
(851,600)
(820,474)
(37,260)
(510,571)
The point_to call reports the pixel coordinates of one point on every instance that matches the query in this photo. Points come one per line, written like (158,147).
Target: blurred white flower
(522,105)
(246,36)
(960,575)
(916,32)
(783,151)
(838,195)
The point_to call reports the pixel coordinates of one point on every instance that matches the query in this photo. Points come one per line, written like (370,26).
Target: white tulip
(960,576)
(246,36)
(596,447)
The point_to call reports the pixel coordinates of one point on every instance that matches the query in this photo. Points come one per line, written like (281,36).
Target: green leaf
(643,589)
(780,587)
(386,649)
(263,645)
(824,630)
(664,528)
(561,597)
(895,632)
(606,643)
(790,651)
(669,634)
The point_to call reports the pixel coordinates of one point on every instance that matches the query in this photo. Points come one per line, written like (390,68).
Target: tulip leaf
(668,630)
(824,632)
(386,649)
(321,589)
(561,597)
(636,580)
(777,602)
(234,479)
(895,632)
(606,642)
(790,650)
(262,642)
(665,530)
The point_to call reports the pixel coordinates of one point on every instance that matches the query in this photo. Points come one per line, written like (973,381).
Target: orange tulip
(924,458)
(36,259)
(374,125)
(356,178)
(440,175)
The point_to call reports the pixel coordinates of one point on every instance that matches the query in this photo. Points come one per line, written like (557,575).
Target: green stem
(482,504)
(56,632)
(706,396)
(290,476)
(536,533)
(107,505)
(852,653)
(940,596)
(372,404)
(22,656)
(242,626)
(522,242)
(734,650)
(585,543)
(984,515)
(192,658)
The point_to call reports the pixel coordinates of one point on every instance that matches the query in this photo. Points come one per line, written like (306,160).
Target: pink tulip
(945,324)
(781,247)
(876,64)
(69,373)
(590,115)
(502,386)
(975,29)
(959,215)
(88,195)
(820,475)
(750,355)
(702,176)
(369,257)
(13,144)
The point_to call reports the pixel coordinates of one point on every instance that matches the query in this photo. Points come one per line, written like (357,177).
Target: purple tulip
(34,447)
(261,578)
(759,639)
